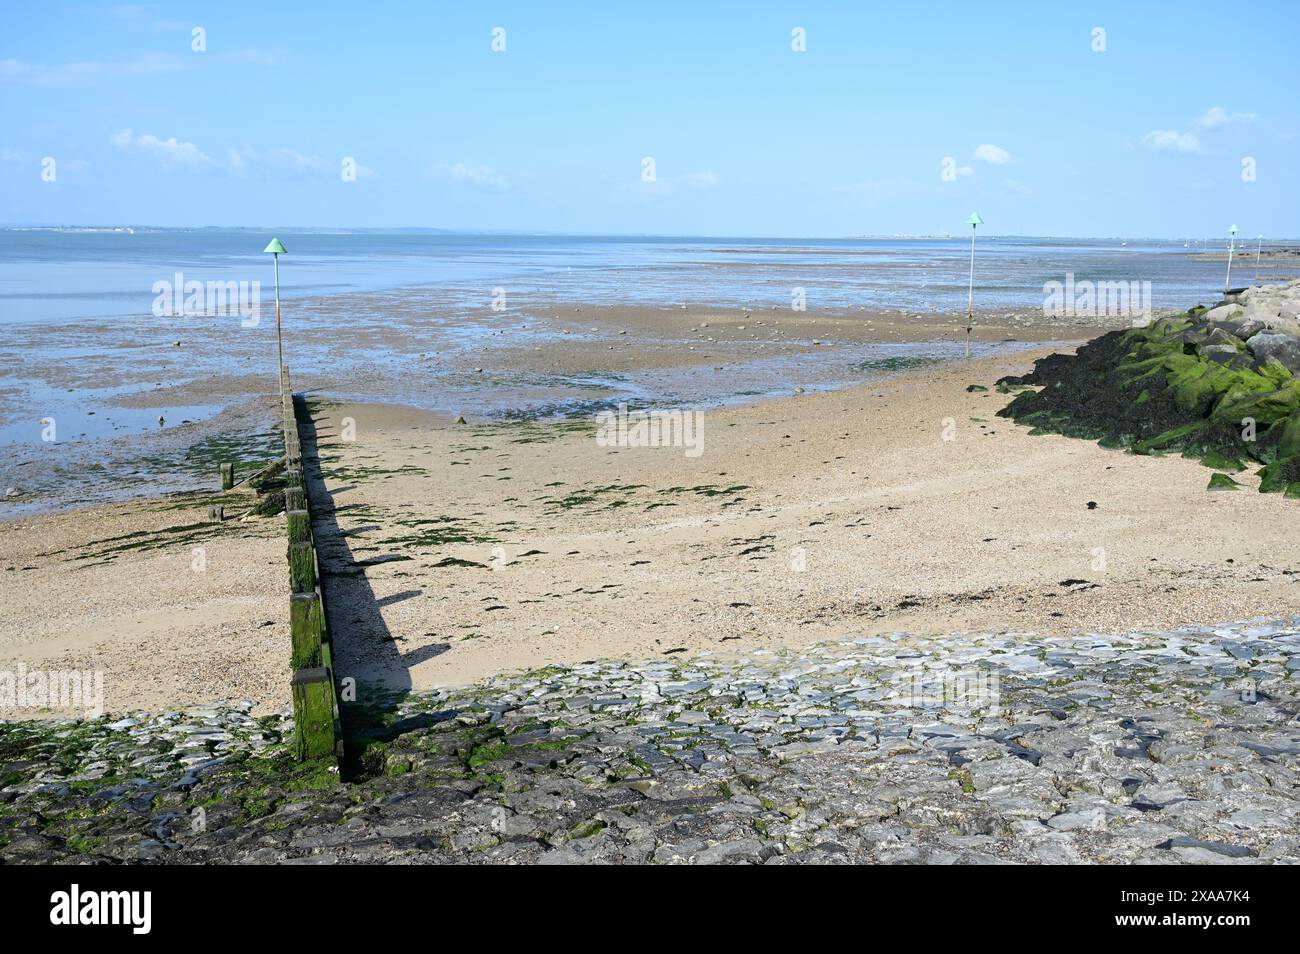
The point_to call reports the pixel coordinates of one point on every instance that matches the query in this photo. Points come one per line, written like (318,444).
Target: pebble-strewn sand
(655,552)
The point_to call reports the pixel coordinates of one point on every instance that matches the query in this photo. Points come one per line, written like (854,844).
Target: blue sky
(748,137)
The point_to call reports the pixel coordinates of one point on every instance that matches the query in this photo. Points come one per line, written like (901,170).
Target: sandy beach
(451,552)
(488,548)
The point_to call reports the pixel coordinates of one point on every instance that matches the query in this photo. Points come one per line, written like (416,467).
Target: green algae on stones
(1182,385)
(1222,482)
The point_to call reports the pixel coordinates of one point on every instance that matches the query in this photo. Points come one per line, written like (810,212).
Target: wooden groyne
(315,702)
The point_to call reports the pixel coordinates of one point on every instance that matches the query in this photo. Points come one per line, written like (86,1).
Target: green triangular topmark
(274,247)
(974,219)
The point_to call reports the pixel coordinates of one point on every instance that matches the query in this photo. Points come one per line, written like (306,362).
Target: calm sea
(58,275)
(96,383)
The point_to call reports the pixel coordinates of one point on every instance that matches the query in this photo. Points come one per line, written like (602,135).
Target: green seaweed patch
(457,561)
(708,490)
(179,535)
(255,451)
(352,473)
(896,363)
(1222,482)
(1176,386)
(593,498)
(432,532)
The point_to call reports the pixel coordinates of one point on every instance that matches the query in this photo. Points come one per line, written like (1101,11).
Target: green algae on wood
(313,708)
(305,624)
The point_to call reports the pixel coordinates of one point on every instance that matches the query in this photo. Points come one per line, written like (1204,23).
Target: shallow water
(58,275)
(89,342)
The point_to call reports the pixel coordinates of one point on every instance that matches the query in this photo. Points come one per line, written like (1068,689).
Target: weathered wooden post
(217,513)
(315,706)
(302,566)
(305,622)
(299,521)
(313,713)
(227,476)
(295,498)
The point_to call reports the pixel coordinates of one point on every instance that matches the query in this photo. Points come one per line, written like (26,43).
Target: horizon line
(857,237)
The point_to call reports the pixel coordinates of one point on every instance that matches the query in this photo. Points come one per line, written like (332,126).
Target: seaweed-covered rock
(1186,385)
(1222,482)
(1275,346)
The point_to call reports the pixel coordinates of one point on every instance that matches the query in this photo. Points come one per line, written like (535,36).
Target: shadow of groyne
(370,670)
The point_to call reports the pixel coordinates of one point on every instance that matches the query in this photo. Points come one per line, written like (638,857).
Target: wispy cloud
(252,56)
(479,175)
(167,152)
(992,154)
(1217,116)
(872,192)
(291,160)
(278,163)
(282,162)
(1171,140)
(148,64)
(667,185)
(475,175)
(145,65)
(1188,143)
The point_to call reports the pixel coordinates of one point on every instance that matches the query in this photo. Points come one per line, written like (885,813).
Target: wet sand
(151,413)
(461,551)
(455,551)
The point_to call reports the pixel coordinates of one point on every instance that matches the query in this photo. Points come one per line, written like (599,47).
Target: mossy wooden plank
(313,714)
(302,567)
(297,519)
(305,617)
(295,498)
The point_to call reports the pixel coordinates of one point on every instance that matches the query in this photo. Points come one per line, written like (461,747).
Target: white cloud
(283,162)
(1016,187)
(1170,140)
(168,152)
(473,174)
(1217,116)
(990,153)
(699,180)
(252,57)
(661,185)
(290,160)
(149,64)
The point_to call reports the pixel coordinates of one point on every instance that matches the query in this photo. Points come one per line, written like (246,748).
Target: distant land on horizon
(984,235)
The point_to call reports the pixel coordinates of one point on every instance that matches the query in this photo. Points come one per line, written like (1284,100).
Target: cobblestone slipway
(1145,748)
